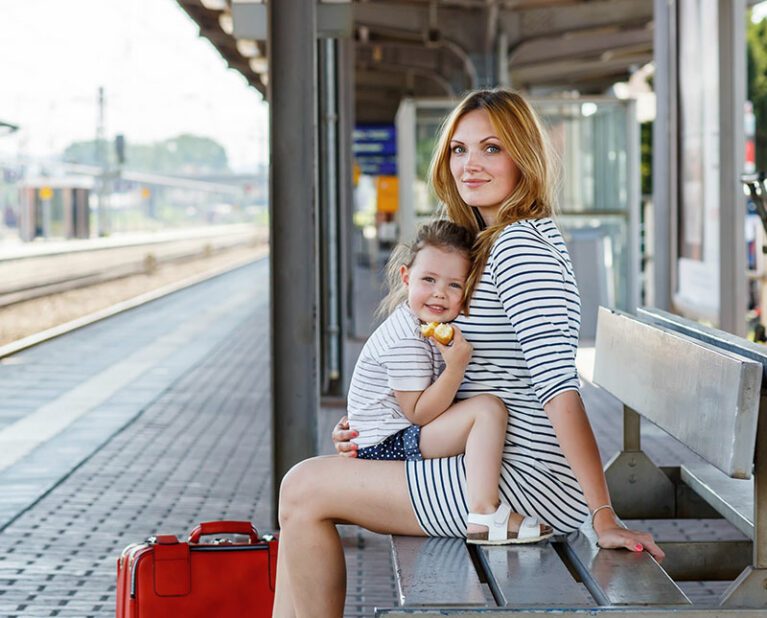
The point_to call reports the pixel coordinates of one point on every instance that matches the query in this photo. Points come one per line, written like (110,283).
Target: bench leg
(631,473)
(748,590)
(760,488)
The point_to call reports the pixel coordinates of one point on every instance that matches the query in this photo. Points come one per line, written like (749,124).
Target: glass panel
(428,123)
(590,141)
(600,253)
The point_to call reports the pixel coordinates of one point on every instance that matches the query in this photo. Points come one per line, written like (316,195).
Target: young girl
(401,397)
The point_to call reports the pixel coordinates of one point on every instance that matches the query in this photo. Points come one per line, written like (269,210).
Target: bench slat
(435,572)
(681,385)
(530,576)
(621,577)
(605,612)
(732,498)
(717,338)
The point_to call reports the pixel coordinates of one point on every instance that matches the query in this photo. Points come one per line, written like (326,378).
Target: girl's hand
(342,436)
(459,351)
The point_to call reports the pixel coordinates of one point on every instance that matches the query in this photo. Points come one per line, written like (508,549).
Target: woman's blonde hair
(520,132)
(442,234)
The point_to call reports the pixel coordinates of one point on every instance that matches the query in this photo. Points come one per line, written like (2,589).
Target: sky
(160,79)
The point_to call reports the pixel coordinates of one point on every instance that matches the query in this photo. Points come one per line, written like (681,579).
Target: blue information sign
(375,149)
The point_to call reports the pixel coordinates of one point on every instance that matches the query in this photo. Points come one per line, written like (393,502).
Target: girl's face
(484,172)
(435,283)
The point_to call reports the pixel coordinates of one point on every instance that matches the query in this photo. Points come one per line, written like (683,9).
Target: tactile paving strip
(199,452)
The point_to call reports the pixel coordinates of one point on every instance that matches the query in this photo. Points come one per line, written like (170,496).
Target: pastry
(427,330)
(443,333)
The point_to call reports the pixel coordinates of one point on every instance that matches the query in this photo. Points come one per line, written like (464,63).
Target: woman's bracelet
(599,508)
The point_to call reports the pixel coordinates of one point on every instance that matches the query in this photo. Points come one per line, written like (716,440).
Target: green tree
(645,154)
(87,153)
(756,38)
(183,154)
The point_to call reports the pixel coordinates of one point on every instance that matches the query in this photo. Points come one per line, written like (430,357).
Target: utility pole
(101,160)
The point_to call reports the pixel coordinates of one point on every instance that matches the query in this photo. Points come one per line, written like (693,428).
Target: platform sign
(375,149)
(378,166)
(387,194)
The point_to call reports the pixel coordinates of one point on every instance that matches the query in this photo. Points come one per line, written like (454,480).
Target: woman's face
(484,172)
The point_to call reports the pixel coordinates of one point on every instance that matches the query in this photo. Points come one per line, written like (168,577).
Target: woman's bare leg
(477,427)
(283,596)
(316,495)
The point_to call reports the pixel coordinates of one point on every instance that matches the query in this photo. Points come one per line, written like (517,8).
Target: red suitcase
(168,578)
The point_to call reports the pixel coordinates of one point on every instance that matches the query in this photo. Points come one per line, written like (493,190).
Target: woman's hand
(633,540)
(612,535)
(458,353)
(342,436)
(571,425)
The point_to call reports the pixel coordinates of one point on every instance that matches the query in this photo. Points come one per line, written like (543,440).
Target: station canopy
(438,48)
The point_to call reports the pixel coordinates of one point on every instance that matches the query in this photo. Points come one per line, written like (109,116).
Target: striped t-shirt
(395,357)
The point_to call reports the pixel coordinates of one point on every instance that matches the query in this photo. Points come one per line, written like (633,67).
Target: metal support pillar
(504,81)
(732,205)
(329,246)
(406,169)
(760,488)
(346,193)
(293,230)
(631,473)
(664,152)
(336,129)
(635,206)
(749,589)
(632,430)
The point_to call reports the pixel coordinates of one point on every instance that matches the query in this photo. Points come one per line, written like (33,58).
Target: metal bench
(701,386)
(736,486)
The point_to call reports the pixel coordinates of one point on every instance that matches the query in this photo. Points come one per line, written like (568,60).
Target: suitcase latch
(172,567)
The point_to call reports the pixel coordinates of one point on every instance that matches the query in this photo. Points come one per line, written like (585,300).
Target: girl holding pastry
(401,397)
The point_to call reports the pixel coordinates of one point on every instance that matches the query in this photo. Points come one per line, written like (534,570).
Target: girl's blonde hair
(520,132)
(441,234)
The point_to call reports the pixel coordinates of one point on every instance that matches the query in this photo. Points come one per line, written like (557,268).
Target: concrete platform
(13,248)
(155,420)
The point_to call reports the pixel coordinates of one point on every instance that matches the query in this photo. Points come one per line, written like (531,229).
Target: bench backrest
(713,336)
(706,397)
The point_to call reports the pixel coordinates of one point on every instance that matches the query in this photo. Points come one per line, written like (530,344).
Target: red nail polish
(638,547)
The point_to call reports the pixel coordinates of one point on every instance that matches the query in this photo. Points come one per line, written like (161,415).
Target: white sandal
(530,530)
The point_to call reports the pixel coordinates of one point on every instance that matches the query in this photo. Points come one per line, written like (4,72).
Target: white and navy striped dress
(523,324)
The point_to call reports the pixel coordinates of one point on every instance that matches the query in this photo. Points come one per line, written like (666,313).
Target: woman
(491,173)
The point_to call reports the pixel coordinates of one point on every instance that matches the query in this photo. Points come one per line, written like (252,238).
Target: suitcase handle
(224,527)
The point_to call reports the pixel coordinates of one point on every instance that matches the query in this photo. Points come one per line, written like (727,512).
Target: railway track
(48,314)
(35,276)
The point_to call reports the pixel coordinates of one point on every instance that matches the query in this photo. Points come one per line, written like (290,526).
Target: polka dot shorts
(400,446)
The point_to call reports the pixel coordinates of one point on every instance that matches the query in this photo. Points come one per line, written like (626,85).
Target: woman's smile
(473,183)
